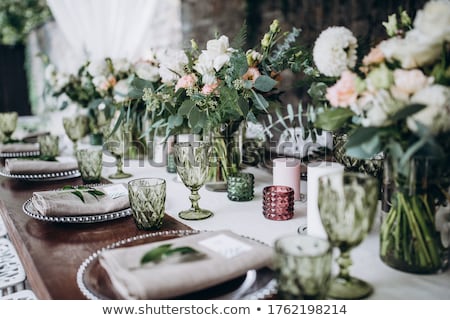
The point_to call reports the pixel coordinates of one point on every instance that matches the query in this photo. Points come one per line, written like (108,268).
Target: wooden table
(52,252)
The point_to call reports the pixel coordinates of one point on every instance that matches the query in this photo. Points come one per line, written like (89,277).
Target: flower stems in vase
(409,239)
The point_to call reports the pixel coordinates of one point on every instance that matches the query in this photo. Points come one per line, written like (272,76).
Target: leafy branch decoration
(78,191)
(163,251)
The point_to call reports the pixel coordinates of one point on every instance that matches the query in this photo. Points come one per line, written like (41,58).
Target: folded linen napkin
(36,166)
(65,203)
(19,147)
(225,256)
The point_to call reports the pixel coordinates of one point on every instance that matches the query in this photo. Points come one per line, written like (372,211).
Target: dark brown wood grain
(52,252)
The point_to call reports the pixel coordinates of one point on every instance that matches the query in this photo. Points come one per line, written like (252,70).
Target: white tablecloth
(246,218)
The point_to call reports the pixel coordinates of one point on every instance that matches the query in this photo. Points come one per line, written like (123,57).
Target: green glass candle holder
(240,186)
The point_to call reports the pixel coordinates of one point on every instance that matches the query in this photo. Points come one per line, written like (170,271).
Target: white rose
(415,50)
(121,65)
(218,51)
(410,81)
(434,21)
(98,68)
(101,83)
(121,90)
(436,115)
(378,107)
(205,66)
(147,71)
(172,63)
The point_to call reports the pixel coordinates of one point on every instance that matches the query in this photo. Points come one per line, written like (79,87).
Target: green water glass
(192,161)
(347,207)
(48,147)
(76,128)
(302,266)
(8,124)
(90,164)
(147,202)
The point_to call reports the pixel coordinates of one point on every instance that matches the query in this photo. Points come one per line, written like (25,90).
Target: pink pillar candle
(286,172)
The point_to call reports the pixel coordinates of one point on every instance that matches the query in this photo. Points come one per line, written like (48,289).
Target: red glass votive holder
(278,202)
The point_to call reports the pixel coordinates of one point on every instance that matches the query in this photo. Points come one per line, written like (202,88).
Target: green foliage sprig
(78,191)
(19,18)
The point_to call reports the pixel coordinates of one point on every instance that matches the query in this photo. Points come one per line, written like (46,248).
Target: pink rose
(186,82)
(209,88)
(343,93)
(252,74)
(375,56)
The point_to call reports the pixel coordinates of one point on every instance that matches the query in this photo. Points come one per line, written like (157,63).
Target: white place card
(115,191)
(225,245)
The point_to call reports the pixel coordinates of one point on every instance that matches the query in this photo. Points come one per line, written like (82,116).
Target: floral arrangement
(215,90)
(397,102)
(222,84)
(18,18)
(101,87)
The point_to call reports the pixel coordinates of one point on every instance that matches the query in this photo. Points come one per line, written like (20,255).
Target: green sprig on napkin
(163,251)
(78,191)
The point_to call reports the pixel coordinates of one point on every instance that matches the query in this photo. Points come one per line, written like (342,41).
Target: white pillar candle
(314,171)
(286,172)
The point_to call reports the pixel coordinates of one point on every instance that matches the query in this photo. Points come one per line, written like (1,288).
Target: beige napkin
(36,166)
(65,203)
(226,256)
(19,147)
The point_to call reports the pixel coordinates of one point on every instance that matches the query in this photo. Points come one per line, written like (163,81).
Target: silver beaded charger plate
(50,176)
(30,210)
(19,154)
(95,284)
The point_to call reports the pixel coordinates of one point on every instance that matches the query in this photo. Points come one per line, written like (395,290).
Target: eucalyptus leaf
(140,83)
(186,107)
(194,116)
(259,101)
(407,111)
(333,119)
(365,150)
(264,83)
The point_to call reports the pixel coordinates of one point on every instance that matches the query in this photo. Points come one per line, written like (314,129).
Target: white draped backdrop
(94,29)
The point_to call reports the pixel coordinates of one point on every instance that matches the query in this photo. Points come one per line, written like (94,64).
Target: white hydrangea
(436,115)
(121,90)
(434,20)
(147,71)
(98,68)
(121,65)
(172,64)
(335,51)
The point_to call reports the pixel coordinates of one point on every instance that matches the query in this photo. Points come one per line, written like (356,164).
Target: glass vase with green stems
(409,239)
(227,143)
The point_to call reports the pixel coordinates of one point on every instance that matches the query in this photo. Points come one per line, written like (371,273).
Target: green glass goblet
(76,128)
(117,142)
(8,124)
(192,161)
(347,207)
